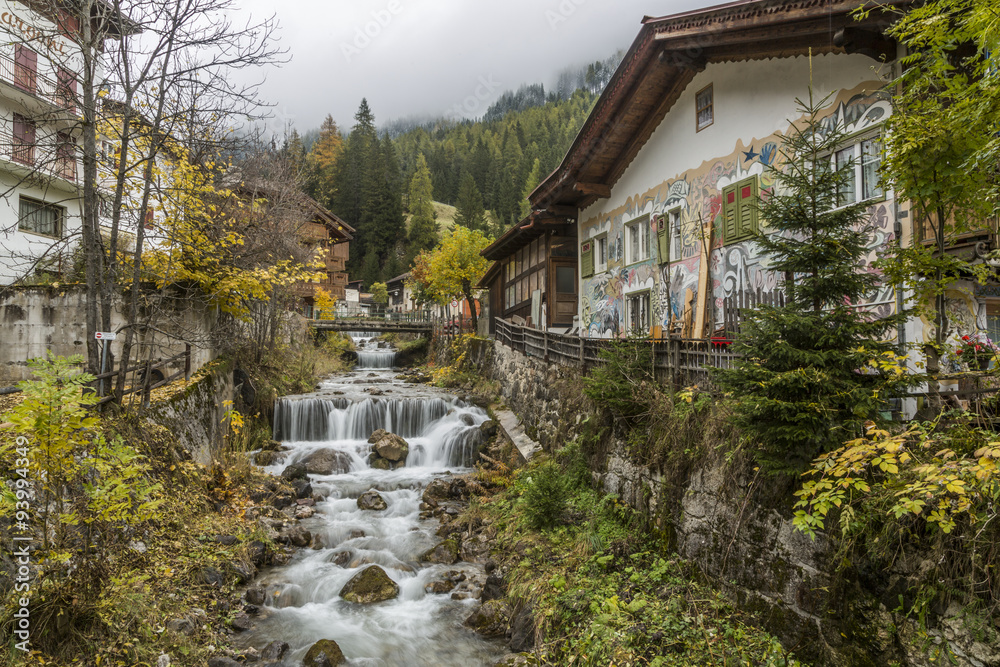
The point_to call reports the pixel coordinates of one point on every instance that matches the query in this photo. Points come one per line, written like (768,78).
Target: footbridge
(412,322)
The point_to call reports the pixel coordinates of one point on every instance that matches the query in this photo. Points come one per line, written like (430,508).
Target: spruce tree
(423,221)
(469,207)
(805,381)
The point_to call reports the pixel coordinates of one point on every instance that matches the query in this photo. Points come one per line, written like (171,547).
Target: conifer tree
(812,373)
(423,221)
(321,162)
(534,178)
(470,212)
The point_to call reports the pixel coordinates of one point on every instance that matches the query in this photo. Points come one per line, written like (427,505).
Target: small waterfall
(379,359)
(447,431)
(382,360)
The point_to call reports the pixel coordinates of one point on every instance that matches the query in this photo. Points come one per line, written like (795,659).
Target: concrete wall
(738,531)
(199,418)
(34,320)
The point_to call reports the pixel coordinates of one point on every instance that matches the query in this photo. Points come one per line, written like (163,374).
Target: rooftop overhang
(490,276)
(524,232)
(670,51)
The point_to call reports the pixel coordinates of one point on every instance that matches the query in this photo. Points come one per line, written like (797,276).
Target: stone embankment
(740,534)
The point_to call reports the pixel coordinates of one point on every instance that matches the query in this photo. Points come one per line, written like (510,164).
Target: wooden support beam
(597,189)
(561,211)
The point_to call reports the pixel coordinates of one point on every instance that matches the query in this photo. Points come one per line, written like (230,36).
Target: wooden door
(562,291)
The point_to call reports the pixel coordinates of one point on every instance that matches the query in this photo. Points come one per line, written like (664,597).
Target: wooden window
(637,240)
(25,68)
(739,210)
(40,218)
(704,108)
(587,259)
(66,156)
(24,140)
(65,88)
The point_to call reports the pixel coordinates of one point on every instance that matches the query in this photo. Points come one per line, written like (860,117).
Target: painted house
(686,137)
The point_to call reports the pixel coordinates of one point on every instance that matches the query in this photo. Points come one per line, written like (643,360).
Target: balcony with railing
(58,158)
(969,245)
(61,91)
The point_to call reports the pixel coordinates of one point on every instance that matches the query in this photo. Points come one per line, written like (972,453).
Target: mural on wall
(731,268)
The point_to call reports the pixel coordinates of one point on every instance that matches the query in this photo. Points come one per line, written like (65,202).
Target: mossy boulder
(324,653)
(490,619)
(445,553)
(370,585)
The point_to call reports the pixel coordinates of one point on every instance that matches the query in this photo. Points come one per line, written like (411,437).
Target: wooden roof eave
(807,24)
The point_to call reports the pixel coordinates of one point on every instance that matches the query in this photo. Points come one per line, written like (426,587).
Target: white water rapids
(303,604)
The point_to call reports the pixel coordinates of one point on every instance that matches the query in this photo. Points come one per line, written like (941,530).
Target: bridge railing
(374,314)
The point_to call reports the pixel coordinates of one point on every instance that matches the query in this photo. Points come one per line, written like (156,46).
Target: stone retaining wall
(739,532)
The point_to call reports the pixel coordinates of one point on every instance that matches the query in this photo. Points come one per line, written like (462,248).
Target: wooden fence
(735,305)
(675,359)
(146,377)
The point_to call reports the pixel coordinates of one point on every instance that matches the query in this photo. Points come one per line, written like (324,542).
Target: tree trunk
(467,291)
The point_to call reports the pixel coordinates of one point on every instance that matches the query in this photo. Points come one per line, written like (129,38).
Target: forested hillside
(485,168)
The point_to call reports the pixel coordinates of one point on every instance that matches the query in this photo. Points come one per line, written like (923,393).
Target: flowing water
(303,604)
(372,354)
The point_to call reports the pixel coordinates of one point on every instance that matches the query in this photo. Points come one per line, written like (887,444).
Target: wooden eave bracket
(599,190)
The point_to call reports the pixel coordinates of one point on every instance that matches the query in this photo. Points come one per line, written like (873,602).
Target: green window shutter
(730,214)
(587,259)
(747,201)
(662,239)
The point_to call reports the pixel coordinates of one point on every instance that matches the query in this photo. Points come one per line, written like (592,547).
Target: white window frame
(673,222)
(852,151)
(601,253)
(644,252)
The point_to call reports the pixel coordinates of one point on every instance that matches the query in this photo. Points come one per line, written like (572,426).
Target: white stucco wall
(753,104)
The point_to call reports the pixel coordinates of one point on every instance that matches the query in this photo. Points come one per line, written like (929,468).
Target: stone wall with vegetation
(711,506)
(199,417)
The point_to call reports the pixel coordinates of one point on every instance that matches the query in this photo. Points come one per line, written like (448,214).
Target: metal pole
(104,363)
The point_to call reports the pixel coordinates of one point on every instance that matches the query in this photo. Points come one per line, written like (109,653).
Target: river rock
(389,446)
(370,585)
(490,619)
(223,661)
(303,489)
(294,471)
(267,457)
(379,463)
(372,500)
(241,622)
(257,553)
(324,653)
(437,490)
(274,651)
(445,553)
(296,536)
(342,558)
(327,462)
(522,630)
(439,587)
(212,577)
(488,429)
(182,626)
(255,595)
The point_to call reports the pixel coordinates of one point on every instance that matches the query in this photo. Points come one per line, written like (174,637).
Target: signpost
(107,337)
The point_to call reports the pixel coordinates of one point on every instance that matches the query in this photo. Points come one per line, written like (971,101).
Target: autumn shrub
(933,486)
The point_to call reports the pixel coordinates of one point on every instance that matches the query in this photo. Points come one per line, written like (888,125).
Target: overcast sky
(438,57)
